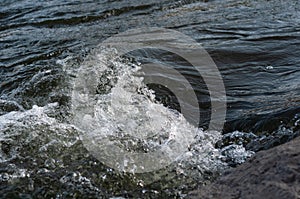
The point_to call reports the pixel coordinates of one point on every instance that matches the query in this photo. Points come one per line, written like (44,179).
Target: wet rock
(273,173)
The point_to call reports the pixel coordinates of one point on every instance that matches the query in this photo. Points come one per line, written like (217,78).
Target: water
(43,45)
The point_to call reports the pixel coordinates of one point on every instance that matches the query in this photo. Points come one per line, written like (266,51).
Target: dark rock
(273,173)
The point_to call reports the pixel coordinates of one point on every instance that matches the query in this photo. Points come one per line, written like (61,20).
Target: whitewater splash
(34,129)
(126,128)
(35,144)
(119,130)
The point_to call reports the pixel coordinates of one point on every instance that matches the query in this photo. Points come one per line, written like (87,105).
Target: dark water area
(255,45)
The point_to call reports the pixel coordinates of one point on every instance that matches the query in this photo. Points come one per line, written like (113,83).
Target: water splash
(119,116)
(38,145)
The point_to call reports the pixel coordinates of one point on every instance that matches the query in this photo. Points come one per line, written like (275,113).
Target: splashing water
(114,108)
(36,145)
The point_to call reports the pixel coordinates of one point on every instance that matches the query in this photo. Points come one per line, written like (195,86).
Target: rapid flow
(49,54)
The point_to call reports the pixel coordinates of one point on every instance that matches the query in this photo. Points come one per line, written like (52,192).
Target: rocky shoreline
(272,173)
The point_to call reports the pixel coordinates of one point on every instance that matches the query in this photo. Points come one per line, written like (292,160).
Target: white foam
(34,126)
(124,113)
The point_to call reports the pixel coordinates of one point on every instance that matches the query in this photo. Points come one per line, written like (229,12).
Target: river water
(255,45)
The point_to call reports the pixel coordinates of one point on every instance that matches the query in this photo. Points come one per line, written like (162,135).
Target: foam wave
(18,130)
(36,144)
(114,107)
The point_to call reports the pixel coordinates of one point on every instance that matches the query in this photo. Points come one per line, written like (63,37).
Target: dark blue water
(255,45)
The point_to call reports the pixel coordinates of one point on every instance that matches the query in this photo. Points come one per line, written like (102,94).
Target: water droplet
(269,67)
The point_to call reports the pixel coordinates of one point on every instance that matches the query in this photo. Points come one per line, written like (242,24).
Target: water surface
(255,45)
